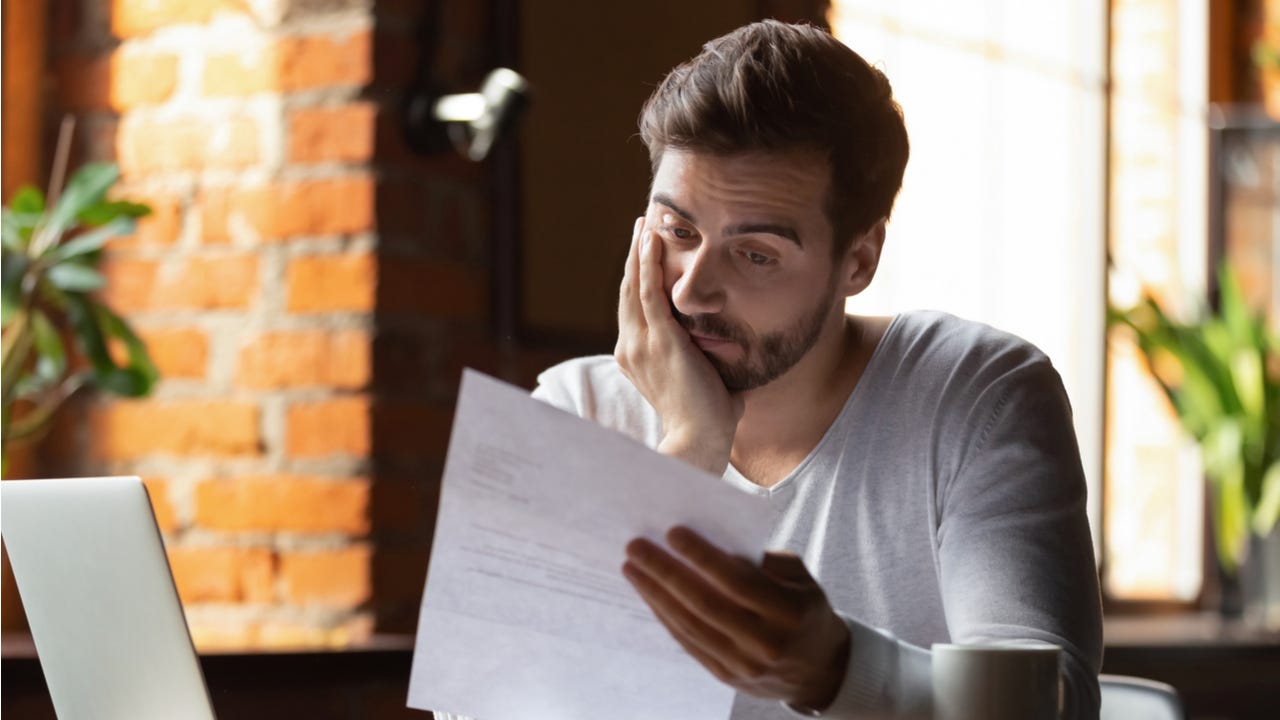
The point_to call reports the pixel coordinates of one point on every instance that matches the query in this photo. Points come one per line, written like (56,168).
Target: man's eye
(756,258)
(682,233)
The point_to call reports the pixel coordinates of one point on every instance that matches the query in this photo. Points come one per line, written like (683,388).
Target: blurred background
(320,262)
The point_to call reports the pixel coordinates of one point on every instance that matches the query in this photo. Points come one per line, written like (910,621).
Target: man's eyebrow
(662,199)
(783,231)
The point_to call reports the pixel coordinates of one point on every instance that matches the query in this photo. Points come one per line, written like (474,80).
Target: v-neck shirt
(945,503)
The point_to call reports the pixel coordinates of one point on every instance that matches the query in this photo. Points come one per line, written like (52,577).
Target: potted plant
(1221,372)
(51,252)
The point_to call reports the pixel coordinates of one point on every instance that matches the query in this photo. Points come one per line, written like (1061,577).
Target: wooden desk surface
(1223,670)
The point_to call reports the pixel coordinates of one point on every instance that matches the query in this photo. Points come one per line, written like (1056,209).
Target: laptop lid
(103,610)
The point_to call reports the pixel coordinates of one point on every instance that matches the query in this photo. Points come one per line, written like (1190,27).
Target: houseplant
(1221,372)
(51,253)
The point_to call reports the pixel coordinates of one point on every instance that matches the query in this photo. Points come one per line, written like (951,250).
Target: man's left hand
(765,630)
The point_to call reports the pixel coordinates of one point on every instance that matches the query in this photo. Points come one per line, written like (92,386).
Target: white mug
(996,682)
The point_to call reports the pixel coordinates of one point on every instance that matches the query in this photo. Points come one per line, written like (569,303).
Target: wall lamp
(470,122)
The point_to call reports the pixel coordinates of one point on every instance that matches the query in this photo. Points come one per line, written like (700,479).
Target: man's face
(747,256)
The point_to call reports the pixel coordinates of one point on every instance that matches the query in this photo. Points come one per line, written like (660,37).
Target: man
(924,470)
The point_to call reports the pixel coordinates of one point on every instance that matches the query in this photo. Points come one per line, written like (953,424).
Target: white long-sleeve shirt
(946,503)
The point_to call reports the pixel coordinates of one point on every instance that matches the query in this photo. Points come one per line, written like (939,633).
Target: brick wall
(308,289)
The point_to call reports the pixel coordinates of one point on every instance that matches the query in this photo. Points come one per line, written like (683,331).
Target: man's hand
(767,631)
(699,415)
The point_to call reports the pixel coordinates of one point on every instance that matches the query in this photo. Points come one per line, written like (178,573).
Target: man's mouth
(709,343)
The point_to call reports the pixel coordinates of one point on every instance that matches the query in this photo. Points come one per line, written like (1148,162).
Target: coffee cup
(996,682)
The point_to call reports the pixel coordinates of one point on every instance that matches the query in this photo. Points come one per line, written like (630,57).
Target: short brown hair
(770,86)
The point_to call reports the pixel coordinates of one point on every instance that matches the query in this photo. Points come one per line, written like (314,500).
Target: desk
(1223,669)
(369,681)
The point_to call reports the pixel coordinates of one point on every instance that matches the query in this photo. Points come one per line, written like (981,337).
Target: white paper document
(526,614)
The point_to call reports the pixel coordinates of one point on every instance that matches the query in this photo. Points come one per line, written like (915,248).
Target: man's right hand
(699,415)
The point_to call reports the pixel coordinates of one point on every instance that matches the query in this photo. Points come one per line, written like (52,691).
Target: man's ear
(858,266)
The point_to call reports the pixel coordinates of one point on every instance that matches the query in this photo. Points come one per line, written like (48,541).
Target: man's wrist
(828,686)
(697,451)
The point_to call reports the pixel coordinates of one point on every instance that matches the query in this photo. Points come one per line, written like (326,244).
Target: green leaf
(73,277)
(86,188)
(1267,512)
(105,212)
(28,199)
(17,228)
(12,271)
(94,323)
(91,241)
(137,378)
(51,356)
(1231,521)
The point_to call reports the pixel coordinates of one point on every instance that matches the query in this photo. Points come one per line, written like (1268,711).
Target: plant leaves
(91,241)
(74,277)
(16,229)
(94,323)
(139,375)
(28,199)
(104,212)
(1231,527)
(86,188)
(51,356)
(12,271)
(1267,512)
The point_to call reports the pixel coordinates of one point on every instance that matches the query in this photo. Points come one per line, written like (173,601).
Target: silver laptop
(103,609)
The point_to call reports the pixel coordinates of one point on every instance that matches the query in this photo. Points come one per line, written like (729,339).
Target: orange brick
(223,574)
(211,283)
(332,134)
(293,63)
(200,283)
(321,428)
(128,429)
(284,503)
(161,505)
(161,227)
(118,81)
(331,283)
(178,353)
(149,146)
(319,207)
(130,283)
(336,578)
(338,359)
(130,18)
(214,203)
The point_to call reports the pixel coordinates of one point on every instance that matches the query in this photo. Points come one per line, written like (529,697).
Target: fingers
(629,313)
(693,610)
(732,575)
(710,647)
(677,590)
(653,296)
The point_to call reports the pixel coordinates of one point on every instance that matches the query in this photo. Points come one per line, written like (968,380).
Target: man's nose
(698,289)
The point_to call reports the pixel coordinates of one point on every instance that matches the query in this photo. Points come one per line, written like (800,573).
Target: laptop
(103,610)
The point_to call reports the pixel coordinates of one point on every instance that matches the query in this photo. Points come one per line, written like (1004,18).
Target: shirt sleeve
(1015,557)
(1015,553)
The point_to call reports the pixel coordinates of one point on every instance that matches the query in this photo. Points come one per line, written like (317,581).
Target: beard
(766,359)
